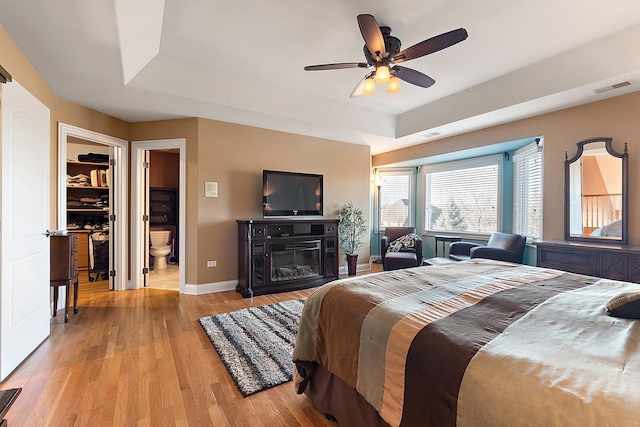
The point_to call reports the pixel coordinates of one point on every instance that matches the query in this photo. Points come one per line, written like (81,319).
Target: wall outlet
(212,263)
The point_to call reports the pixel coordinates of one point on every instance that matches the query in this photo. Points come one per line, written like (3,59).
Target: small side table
(444,238)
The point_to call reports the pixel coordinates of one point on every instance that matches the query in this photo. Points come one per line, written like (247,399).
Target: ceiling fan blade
(358,90)
(338,66)
(431,45)
(412,76)
(372,35)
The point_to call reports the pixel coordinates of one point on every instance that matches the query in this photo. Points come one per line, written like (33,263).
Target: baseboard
(210,288)
(230,285)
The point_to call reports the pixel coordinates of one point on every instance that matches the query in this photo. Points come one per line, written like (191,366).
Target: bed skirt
(332,396)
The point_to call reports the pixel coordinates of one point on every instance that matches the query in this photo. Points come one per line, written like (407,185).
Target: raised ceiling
(242,61)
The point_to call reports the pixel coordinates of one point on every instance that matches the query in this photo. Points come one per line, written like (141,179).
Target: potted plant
(351,231)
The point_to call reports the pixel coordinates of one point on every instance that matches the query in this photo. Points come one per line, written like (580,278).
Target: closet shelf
(87,209)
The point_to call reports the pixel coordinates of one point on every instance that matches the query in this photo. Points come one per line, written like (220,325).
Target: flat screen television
(291,194)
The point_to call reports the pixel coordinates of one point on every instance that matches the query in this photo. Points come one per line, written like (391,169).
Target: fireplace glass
(295,260)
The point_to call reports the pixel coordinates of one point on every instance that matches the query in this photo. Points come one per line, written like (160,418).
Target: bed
(475,343)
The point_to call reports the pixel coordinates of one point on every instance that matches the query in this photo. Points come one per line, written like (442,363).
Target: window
(464,195)
(396,198)
(527,191)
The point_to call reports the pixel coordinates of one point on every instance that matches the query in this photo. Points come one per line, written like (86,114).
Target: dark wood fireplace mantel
(279,255)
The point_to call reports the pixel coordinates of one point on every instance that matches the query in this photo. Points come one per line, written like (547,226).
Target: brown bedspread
(433,345)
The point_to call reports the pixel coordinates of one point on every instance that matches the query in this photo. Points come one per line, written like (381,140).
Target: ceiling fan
(382,52)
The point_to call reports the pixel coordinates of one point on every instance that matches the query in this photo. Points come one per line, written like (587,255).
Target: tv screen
(291,194)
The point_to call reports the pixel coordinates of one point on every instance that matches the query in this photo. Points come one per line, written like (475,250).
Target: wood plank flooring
(140,358)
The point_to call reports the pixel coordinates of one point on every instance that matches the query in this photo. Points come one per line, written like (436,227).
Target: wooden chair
(64,270)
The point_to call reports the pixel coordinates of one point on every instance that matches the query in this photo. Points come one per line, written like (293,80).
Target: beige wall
(615,117)
(234,157)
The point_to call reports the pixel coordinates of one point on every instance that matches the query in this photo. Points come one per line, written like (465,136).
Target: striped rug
(256,344)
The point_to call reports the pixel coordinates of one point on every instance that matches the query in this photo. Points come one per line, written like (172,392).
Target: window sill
(465,235)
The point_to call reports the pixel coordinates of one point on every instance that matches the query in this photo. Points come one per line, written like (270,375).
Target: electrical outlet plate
(212,263)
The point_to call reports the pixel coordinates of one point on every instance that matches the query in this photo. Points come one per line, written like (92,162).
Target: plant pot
(352,264)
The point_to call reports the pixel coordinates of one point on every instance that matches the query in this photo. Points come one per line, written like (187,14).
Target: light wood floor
(140,358)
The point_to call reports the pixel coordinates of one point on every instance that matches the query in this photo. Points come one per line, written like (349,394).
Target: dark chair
(501,247)
(406,257)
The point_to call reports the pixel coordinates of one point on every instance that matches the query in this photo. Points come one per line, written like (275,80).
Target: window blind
(396,199)
(463,196)
(527,185)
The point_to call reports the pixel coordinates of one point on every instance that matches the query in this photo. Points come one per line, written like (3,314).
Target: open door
(113,184)
(146,243)
(25,302)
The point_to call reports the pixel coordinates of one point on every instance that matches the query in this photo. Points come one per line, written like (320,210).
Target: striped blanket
(477,343)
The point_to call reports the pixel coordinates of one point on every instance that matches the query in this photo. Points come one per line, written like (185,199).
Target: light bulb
(369,87)
(394,85)
(382,75)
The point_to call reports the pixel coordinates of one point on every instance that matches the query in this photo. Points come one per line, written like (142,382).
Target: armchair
(405,257)
(501,247)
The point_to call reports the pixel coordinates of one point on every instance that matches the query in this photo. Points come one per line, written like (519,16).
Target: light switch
(210,189)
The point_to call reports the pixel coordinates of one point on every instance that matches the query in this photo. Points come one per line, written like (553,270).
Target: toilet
(160,248)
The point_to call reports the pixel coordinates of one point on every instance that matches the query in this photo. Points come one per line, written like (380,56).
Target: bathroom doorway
(158,206)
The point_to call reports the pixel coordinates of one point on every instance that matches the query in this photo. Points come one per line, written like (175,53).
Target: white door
(25,311)
(146,213)
(113,176)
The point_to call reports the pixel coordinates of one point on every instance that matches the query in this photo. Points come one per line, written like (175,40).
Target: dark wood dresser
(617,262)
(64,270)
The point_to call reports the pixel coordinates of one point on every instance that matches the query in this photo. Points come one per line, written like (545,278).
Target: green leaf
(352,228)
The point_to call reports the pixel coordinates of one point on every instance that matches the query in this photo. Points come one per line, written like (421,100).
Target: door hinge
(112,273)
(145,165)
(112,162)
(145,270)
(145,217)
(112,217)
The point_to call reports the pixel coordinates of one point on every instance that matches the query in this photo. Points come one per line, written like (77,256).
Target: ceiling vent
(431,134)
(614,86)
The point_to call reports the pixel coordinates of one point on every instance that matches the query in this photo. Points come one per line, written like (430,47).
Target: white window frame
(492,160)
(526,153)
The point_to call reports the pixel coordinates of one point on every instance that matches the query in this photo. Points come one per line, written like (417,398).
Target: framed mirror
(595,193)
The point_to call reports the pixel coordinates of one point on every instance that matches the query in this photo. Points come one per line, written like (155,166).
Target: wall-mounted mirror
(595,193)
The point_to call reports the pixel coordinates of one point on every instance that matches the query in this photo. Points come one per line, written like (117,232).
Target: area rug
(256,344)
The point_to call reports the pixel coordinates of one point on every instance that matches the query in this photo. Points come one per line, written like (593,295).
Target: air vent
(614,86)
(431,134)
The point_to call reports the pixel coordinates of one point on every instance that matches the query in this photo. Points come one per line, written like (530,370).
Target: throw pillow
(404,242)
(625,305)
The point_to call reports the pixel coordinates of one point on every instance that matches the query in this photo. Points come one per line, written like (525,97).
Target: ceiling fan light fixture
(394,85)
(382,74)
(369,86)
(382,54)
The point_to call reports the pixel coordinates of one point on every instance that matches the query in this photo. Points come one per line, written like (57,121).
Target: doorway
(117,195)
(155,202)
